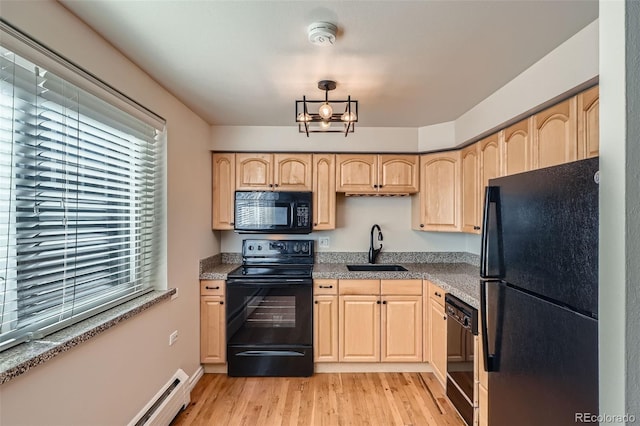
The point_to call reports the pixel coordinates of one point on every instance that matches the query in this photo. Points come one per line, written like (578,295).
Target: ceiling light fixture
(316,116)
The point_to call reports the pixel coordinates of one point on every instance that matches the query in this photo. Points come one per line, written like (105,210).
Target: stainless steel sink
(376,267)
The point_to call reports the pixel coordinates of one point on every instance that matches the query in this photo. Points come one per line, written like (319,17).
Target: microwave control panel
(302,215)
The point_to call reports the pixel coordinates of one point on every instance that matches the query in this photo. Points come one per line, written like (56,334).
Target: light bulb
(349,116)
(325,111)
(324,125)
(303,117)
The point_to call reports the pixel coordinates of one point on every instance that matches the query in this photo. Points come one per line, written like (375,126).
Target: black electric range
(270,310)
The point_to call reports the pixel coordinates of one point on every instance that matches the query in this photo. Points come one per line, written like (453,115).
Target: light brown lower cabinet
(325,320)
(437,332)
(380,320)
(212,322)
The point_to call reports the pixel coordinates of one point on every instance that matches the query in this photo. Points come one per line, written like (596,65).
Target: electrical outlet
(323,242)
(173,337)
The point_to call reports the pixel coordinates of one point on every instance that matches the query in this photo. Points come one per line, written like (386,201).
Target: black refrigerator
(539,295)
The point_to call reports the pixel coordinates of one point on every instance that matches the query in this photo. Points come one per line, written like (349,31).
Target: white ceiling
(408,63)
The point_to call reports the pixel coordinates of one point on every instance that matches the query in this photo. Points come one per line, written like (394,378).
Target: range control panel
(280,249)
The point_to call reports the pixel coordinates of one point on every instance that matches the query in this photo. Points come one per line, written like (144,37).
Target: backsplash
(399,257)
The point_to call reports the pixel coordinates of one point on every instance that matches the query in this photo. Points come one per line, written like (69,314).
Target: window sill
(24,357)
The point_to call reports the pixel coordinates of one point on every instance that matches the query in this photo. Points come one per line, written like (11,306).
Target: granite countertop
(460,279)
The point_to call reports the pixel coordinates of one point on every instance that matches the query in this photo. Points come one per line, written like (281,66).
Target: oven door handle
(243,283)
(270,353)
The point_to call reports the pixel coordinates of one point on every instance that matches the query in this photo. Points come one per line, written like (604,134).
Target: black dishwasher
(462,325)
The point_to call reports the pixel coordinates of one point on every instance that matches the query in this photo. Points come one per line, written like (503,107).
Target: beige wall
(279,138)
(109,379)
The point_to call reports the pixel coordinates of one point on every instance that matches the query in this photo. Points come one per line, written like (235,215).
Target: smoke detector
(322,33)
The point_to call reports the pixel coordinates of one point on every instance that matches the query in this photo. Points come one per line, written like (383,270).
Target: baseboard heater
(168,402)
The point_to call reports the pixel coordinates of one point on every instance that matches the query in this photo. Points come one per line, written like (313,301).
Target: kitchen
(189,238)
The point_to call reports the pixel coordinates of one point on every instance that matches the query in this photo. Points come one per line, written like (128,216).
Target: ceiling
(408,63)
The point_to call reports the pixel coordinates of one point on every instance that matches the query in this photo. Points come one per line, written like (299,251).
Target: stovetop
(276,271)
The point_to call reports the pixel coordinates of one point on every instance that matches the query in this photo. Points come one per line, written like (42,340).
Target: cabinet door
(356,173)
(438,341)
(426,324)
(254,171)
(398,174)
(359,319)
(470,189)
(439,197)
(489,159)
(516,148)
(554,138)
(223,173)
(401,329)
(292,172)
(325,324)
(212,330)
(589,123)
(324,191)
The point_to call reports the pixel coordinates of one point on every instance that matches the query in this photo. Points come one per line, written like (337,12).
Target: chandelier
(324,116)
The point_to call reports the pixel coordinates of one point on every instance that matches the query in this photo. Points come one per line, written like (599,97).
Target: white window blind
(80,190)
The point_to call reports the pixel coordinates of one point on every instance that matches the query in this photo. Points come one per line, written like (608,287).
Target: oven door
(263,312)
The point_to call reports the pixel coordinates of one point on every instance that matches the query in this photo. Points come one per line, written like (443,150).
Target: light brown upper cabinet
(437,207)
(554,135)
(279,172)
(589,123)
(516,148)
(398,174)
(377,174)
(470,181)
(324,191)
(490,166)
(223,168)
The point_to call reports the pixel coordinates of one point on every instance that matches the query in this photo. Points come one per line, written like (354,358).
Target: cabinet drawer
(401,287)
(212,288)
(436,293)
(359,287)
(324,286)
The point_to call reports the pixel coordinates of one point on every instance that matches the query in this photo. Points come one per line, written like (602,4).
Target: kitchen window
(80,200)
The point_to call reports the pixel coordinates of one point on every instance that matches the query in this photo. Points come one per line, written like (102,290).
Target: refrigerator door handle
(491,243)
(489,358)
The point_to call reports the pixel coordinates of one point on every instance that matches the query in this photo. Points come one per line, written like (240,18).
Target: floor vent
(168,402)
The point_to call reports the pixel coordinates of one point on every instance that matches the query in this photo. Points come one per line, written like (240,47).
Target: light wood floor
(324,399)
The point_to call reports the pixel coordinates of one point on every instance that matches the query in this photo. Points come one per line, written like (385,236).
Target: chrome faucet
(373,253)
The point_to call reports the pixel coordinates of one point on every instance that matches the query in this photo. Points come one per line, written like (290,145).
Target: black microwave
(267,212)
